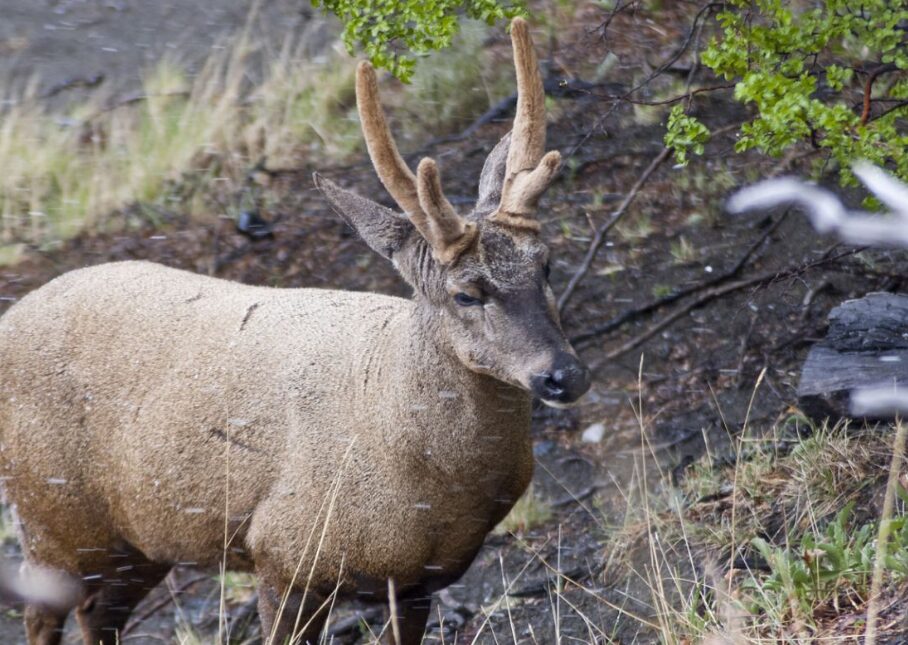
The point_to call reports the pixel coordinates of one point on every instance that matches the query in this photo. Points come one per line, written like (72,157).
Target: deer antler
(528,172)
(420,197)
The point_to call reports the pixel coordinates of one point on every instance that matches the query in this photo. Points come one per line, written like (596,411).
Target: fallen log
(866,346)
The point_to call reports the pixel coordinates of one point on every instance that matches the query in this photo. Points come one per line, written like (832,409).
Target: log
(866,346)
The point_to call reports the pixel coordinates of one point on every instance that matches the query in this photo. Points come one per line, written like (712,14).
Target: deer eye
(466,300)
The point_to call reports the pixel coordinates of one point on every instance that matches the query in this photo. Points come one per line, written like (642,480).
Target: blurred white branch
(879,401)
(829,215)
(36,585)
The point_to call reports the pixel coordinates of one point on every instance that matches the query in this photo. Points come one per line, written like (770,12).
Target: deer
(336,444)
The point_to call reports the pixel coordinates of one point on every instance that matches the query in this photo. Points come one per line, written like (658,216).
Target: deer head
(484,274)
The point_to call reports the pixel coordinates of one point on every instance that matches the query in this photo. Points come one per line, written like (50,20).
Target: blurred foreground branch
(829,215)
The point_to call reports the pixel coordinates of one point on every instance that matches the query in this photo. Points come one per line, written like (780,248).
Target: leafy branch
(801,69)
(392,33)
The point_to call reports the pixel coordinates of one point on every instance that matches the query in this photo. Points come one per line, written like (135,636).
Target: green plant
(237,587)
(823,568)
(393,32)
(685,134)
(812,73)
(635,229)
(682,251)
(529,512)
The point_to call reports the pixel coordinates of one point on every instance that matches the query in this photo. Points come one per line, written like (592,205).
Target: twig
(671,60)
(574,575)
(133,99)
(603,27)
(897,106)
(694,30)
(712,294)
(163,602)
(560,88)
(680,97)
(351,623)
(579,496)
(86,82)
(868,87)
(631,314)
(599,236)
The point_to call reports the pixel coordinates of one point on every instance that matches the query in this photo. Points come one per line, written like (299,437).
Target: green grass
(779,545)
(683,251)
(530,511)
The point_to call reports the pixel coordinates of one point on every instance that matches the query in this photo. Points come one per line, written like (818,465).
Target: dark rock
(866,346)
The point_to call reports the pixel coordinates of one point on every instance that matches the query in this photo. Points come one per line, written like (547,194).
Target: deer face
(499,315)
(486,273)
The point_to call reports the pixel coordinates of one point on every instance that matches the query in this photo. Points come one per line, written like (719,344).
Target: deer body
(331,442)
(184,407)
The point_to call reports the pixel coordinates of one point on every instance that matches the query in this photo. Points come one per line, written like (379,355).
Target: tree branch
(868,88)
(599,235)
(712,294)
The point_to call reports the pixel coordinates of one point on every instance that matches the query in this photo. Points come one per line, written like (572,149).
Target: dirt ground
(88,46)
(694,369)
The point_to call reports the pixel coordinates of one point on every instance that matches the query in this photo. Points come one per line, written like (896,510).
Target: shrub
(393,32)
(806,71)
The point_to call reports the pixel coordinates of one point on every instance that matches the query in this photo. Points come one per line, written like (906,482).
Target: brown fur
(325,440)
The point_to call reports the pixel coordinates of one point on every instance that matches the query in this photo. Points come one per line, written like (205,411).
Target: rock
(866,346)
(594,433)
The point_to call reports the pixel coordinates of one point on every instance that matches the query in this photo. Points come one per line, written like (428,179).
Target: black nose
(567,381)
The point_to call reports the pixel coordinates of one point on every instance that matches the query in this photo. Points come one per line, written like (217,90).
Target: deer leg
(286,618)
(44,626)
(106,607)
(411,617)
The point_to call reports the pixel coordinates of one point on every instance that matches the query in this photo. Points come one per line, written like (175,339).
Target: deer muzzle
(564,382)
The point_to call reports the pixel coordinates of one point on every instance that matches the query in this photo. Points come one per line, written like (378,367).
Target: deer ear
(491,179)
(384,230)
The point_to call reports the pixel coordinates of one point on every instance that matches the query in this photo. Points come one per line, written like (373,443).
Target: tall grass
(64,172)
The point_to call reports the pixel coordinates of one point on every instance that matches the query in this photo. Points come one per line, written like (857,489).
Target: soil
(89,46)
(695,379)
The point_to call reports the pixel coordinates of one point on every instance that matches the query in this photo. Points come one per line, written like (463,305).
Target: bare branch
(599,237)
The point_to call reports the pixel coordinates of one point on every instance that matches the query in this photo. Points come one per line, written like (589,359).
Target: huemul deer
(334,443)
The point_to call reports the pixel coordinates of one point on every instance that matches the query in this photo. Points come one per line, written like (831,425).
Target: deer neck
(438,403)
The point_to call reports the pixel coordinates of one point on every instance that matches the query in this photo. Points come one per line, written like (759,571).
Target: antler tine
(422,199)
(392,170)
(528,132)
(528,173)
(453,232)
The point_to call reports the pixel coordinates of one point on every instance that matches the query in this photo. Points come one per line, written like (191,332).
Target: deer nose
(567,381)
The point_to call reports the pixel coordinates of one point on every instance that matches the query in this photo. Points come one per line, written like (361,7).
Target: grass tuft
(529,512)
(63,173)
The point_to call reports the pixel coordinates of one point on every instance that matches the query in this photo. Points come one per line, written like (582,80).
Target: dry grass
(64,174)
(67,172)
(778,545)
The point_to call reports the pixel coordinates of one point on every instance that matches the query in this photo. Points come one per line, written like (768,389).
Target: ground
(737,302)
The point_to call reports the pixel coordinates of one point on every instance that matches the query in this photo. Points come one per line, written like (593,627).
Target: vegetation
(773,539)
(64,174)
(530,512)
(70,172)
(393,32)
(825,74)
(794,523)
